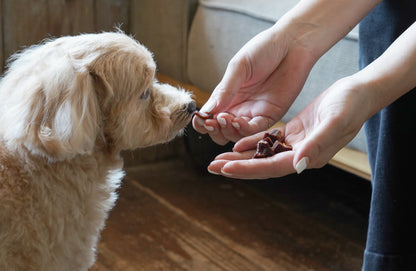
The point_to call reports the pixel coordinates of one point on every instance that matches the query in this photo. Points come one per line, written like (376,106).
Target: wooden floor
(170,217)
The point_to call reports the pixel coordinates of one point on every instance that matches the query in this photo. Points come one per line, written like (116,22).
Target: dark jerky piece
(280,147)
(272,143)
(274,135)
(268,140)
(263,149)
(203,115)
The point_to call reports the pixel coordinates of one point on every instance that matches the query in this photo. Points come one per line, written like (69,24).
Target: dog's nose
(191,107)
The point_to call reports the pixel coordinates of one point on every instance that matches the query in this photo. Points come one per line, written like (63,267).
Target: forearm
(392,74)
(316,25)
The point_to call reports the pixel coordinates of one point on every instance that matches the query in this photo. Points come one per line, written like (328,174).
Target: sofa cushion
(266,10)
(221,27)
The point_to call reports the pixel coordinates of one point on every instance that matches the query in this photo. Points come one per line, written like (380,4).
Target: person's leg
(391,144)
(391,235)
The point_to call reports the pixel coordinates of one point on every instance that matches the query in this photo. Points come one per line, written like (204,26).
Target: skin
(263,79)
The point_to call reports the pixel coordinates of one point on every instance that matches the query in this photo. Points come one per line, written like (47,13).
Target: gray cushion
(221,28)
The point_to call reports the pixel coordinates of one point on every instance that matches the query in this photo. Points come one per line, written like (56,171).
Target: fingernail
(200,121)
(226,174)
(236,125)
(209,128)
(222,122)
(213,172)
(302,165)
(209,106)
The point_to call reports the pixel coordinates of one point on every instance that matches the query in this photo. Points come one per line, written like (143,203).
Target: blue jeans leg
(391,134)
(391,238)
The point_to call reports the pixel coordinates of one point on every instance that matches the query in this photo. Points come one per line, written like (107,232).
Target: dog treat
(203,115)
(273,142)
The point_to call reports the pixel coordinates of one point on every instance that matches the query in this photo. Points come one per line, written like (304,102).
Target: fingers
(225,127)
(248,143)
(211,127)
(242,166)
(219,129)
(319,147)
(249,126)
(229,128)
(234,77)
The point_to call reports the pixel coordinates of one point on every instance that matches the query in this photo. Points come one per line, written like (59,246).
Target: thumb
(316,149)
(222,96)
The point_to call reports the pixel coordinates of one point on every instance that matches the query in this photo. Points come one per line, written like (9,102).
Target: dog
(68,107)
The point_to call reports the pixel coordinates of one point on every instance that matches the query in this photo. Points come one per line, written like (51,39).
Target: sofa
(193,42)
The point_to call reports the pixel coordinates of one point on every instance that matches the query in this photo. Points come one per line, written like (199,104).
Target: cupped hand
(260,83)
(326,125)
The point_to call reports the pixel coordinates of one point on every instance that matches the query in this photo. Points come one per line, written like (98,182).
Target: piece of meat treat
(203,115)
(280,147)
(274,135)
(263,149)
(271,144)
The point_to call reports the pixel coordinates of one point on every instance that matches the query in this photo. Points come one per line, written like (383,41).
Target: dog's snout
(191,107)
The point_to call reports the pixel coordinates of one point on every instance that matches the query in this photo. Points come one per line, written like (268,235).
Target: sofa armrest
(162,26)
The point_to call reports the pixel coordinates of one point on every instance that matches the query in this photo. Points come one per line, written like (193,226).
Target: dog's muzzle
(191,107)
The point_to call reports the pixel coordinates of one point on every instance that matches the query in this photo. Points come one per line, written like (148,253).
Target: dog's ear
(65,115)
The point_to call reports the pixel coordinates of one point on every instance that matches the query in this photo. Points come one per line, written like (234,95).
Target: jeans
(391,141)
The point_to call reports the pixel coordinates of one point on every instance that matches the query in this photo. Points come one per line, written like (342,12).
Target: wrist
(318,25)
(298,37)
(364,94)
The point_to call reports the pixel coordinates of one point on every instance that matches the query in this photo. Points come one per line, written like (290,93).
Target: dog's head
(72,95)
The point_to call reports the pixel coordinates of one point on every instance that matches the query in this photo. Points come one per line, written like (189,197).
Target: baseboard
(347,159)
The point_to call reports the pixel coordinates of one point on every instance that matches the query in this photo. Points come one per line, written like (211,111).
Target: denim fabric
(391,142)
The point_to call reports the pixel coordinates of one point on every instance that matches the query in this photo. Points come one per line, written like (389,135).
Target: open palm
(317,133)
(260,83)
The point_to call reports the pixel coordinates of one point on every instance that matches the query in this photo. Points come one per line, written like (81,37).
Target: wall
(26,22)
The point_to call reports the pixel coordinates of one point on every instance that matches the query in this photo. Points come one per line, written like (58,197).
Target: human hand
(325,126)
(260,83)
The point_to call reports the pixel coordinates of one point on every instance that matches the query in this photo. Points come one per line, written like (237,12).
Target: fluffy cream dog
(67,109)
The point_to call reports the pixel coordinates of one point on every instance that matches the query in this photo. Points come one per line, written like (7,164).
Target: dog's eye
(145,94)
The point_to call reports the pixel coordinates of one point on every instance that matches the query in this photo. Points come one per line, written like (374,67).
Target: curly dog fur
(67,108)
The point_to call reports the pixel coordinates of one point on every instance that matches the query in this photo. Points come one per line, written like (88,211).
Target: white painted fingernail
(209,128)
(302,165)
(222,122)
(200,121)
(236,125)
(213,172)
(209,106)
(226,174)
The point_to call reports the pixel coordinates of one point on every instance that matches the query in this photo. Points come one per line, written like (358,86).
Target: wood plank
(259,228)
(111,14)
(70,17)
(144,233)
(24,24)
(350,160)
